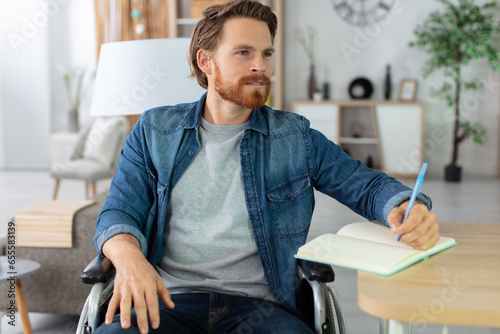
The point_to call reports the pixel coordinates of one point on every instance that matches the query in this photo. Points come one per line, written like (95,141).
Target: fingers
(395,218)
(142,291)
(142,306)
(122,302)
(141,312)
(420,234)
(125,309)
(112,308)
(148,305)
(153,310)
(420,230)
(165,296)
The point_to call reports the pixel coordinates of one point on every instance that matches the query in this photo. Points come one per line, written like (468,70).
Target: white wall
(498,149)
(2,132)
(40,34)
(371,49)
(72,44)
(25,84)
(34,100)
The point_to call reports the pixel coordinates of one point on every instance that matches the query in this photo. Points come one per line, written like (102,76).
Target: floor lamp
(133,76)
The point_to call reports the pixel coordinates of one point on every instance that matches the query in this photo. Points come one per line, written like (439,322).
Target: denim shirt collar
(257,120)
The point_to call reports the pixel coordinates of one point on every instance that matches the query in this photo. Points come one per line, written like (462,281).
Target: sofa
(56,288)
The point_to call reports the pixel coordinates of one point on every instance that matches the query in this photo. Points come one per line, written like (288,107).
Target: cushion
(103,140)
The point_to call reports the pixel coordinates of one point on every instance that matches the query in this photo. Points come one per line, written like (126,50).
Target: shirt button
(245,153)
(250,191)
(190,152)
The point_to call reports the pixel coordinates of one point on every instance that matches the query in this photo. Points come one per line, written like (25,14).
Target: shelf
(187,21)
(356,140)
(386,142)
(362,103)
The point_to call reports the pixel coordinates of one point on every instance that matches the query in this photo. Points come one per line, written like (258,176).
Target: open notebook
(367,246)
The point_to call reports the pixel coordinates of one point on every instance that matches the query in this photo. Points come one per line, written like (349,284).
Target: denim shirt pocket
(291,206)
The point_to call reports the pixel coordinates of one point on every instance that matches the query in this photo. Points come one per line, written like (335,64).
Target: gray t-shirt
(209,243)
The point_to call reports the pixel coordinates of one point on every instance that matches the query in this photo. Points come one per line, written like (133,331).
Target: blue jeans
(218,313)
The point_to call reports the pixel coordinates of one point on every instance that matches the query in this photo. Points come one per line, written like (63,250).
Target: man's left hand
(420,230)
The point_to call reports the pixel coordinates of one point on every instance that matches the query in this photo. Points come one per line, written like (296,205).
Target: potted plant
(317,95)
(461,33)
(74,94)
(308,47)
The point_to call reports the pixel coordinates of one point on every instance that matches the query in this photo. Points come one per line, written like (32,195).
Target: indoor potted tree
(462,32)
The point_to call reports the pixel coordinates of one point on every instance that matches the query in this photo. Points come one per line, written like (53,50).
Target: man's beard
(234,92)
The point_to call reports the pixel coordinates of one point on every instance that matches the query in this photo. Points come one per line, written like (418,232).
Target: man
(212,199)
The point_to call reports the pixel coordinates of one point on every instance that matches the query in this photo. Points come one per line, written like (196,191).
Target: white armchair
(91,155)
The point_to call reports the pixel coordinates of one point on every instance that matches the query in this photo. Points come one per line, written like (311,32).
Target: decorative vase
(326,91)
(73,125)
(453,173)
(387,83)
(311,85)
(369,162)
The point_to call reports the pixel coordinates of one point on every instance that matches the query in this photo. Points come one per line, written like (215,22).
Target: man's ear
(204,59)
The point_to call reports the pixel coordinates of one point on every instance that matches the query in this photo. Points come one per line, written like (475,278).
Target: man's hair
(208,31)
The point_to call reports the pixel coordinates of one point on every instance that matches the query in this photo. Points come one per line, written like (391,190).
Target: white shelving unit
(384,134)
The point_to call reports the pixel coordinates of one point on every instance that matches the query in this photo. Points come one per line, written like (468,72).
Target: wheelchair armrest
(97,271)
(315,271)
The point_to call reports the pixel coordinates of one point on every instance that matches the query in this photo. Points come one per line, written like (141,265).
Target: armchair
(321,302)
(91,155)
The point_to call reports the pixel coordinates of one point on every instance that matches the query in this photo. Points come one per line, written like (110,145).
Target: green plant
(453,38)
(307,45)
(76,88)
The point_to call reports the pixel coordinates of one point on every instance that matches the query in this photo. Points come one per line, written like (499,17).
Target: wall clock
(363,12)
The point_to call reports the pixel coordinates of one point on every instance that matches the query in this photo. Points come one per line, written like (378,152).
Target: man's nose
(258,65)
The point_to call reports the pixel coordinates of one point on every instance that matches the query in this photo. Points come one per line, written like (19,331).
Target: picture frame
(408,90)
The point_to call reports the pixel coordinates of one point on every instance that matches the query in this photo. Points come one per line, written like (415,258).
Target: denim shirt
(282,161)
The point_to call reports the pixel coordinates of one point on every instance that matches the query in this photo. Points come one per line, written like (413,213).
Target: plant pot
(317,97)
(311,83)
(453,173)
(73,125)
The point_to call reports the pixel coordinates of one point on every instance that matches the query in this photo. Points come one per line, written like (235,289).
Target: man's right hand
(136,282)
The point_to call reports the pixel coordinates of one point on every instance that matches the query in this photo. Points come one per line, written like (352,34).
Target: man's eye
(243,53)
(268,54)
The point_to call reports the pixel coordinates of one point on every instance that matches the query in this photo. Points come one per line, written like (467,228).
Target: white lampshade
(134,76)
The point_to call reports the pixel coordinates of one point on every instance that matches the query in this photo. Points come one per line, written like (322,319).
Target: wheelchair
(321,302)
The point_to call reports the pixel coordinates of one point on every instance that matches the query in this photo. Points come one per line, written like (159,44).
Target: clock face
(363,12)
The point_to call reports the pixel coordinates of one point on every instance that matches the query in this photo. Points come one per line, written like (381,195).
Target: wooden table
(21,268)
(459,286)
(47,223)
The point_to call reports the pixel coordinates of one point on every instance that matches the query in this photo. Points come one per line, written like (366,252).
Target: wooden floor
(473,200)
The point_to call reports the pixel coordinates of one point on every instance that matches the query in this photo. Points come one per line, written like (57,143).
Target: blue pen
(416,191)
